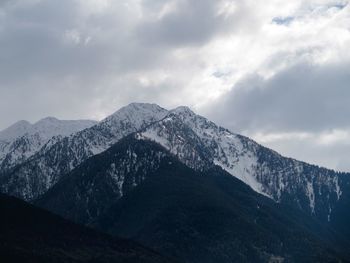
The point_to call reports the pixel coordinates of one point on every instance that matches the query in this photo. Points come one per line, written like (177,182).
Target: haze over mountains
(180,184)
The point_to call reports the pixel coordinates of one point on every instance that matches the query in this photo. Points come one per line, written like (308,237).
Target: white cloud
(72,37)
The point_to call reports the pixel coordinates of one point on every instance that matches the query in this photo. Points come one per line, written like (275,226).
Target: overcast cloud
(276,71)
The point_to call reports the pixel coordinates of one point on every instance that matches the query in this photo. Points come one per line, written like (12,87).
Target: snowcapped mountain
(213,143)
(16,130)
(194,140)
(23,139)
(60,156)
(46,128)
(198,142)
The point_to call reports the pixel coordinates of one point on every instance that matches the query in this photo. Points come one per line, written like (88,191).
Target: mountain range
(23,139)
(178,183)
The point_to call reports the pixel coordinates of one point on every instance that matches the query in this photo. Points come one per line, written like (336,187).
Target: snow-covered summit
(136,111)
(23,139)
(133,117)
(45,128)
(183,111)
(50,126)
(15,130)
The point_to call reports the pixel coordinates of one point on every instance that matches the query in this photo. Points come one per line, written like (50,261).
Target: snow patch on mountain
(174,135)
(337,187)
(153,135)
(310,193)
(226,148)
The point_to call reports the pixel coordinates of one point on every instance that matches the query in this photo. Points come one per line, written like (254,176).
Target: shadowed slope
(30,234)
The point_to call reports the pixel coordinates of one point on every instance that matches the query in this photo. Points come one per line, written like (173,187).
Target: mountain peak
(137,114)
(17,129)
(142,105)
(183,110)
(139,106)
(51,126)
(47,120)
(23,139)
(23,123)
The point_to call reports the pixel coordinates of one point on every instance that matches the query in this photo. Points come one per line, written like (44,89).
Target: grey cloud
(193,22)
(44,72)
(301,98)
(41,74)
(304,98)
(335,156)
(5,3)
(33,44)
(33,41)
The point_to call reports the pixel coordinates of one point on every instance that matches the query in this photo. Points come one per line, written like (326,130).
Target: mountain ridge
(22,140)
(197,142)
(48,126)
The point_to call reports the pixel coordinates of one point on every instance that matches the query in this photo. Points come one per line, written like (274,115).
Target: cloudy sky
(277,71)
